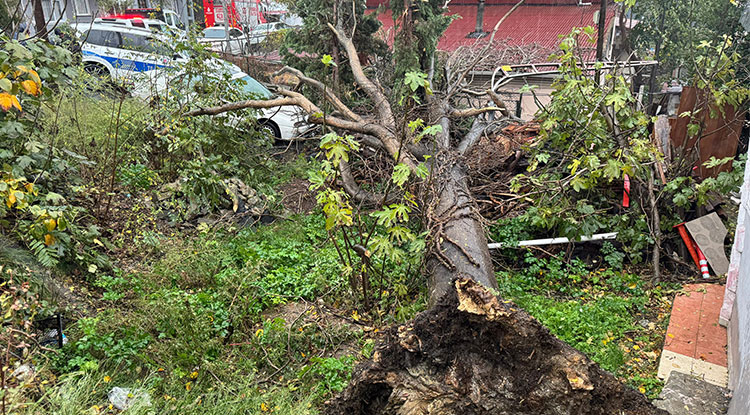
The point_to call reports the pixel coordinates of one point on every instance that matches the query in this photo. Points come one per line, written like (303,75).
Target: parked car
(136,22)
(169,17)
(259,33)
(216,38)
(132,56)
(283,122)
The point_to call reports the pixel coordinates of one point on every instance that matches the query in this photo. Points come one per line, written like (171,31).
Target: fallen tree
(456,242)
(475,354)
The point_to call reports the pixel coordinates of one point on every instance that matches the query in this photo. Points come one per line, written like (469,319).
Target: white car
(131,56)
(259,33)
(283,122)
(151,24)
(216,38)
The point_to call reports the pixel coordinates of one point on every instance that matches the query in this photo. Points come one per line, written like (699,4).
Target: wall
(736,311)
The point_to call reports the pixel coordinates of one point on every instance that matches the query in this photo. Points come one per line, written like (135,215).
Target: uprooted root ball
(476,354)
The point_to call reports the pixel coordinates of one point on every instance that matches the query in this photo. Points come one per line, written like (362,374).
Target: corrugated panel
(543,25)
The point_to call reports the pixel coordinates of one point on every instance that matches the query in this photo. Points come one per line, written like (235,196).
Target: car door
(236,41)
(141,58)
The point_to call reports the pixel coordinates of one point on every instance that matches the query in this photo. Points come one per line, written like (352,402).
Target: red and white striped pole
(703,263)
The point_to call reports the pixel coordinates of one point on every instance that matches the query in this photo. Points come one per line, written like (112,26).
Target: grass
(198,327)
(612,316)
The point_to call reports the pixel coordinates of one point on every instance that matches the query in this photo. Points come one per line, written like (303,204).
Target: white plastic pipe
(562,240)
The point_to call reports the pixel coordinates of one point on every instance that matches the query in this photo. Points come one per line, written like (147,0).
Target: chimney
(479,32)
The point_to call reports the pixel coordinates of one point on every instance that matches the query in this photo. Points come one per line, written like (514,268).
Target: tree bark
(458,245)
(39,22)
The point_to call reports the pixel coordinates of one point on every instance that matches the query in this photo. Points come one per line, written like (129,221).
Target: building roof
(537,22)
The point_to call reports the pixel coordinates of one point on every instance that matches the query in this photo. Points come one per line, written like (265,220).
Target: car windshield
(214,32)
(252,86)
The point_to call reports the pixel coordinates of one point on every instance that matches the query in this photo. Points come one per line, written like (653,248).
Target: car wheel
(97,70)
(270,128)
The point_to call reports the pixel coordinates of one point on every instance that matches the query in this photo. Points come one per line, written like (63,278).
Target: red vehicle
(241,13)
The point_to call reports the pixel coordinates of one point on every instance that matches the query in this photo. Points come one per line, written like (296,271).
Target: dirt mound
(475,354)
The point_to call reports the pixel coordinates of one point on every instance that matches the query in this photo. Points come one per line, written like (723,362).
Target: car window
(95,37)
(137,43)
(214,32)
(111,39)
(252,86)
(138,23)
(235,32)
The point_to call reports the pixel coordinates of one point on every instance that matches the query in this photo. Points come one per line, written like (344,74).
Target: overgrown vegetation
(198,285)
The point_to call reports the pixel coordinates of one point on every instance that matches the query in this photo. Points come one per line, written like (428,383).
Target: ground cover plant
(208,271)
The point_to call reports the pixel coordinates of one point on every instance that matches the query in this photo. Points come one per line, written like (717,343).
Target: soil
(474,353)
(297,197)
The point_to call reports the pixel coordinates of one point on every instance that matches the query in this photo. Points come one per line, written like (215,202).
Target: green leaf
(6,85)
(574,166)
(328,60)
(414,80)
(422,171)
(400,174)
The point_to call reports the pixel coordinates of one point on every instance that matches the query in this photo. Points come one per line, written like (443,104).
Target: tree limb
(322,87)
(377,96)
(293,98)
(471,112)
(352,188)
(484,50)
(474,134)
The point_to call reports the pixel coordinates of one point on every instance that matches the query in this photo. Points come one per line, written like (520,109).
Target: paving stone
(687,395)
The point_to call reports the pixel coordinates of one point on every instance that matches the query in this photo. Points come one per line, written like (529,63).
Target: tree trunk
(39,22)
(459,245)
(475,354)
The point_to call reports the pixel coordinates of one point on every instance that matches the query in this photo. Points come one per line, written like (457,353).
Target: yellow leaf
(188,386)
(107,379)
(642,389)
(11,199)
(258,332)
(35,77)
(506,68)
(30,87)
(29,187)
(7,101)
(49,240)
(50,224)
(636,347)
(193,375)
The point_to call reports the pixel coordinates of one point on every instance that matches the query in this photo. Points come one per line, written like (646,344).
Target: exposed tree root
(475,354)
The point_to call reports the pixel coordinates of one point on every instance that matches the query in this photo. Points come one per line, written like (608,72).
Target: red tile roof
(529,24)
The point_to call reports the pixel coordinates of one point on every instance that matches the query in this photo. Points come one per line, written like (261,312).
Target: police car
(145,63)
(128,55)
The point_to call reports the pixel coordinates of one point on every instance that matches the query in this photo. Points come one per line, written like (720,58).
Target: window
(95,37)
(136,43)
(233,32)
(111,39)
(52,10)
(81,7)
(214,33)
(254,87)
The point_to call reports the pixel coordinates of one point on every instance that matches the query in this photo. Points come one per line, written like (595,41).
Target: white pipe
(562,240)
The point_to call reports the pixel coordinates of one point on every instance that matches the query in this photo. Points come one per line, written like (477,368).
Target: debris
(561,240)
(475,354)
(124,398)
(24,373)
(708,232)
